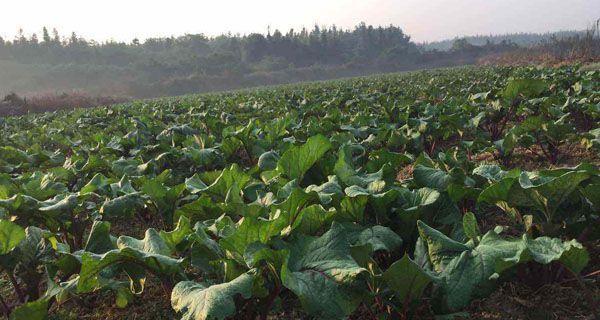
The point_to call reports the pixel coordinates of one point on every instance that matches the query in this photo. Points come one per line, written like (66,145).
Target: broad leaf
(199,301)
(34,310)
(465,270)
(298,159)
(406,279)
(11,235)
(319,270)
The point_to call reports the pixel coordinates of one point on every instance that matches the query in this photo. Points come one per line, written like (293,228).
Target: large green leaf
(123,206)
(34,250)
(7,188)
(431,178)
(250,230)
(378,237)
(175,237)
(34,310)
(202,208)
(379,158)
(416,200)
(319,271)
(592,193)
(298,159)
(43,186)
(164,197)
(204,250)
(292,206)
(313,218)
(528,88)
(470,226)
(97,184)
(491,172)
(328,191)
(99,240)
(412,205)
(11,235)
(151,253)
(229,178)
(441,248)
(406,279)
(268,160)
(547,194)
(345,171)
(465,269)
(199,301)
(530,189)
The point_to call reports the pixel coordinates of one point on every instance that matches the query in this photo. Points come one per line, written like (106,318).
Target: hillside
(458,193)
(195,63)
(520,39)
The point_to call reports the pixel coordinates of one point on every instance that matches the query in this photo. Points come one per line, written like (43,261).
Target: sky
(424,20)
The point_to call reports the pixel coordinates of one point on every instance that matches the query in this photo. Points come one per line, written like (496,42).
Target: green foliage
(201,302)
(294,163)
(11,235)
(319,196)
(464,268)
(35,310)
(406,279)
(195,62)
(318,270)
(527,88)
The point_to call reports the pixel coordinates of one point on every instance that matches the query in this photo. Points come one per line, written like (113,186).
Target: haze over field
(125,49)
(438,19)
(386,159)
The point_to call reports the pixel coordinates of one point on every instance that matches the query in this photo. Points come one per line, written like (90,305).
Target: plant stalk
(5,307)
(15,284)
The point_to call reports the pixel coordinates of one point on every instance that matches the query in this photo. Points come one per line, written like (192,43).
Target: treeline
(326,46)
(523,39)
(196,63)
(582,47)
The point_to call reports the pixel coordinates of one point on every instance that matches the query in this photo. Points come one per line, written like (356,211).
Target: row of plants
(364,195)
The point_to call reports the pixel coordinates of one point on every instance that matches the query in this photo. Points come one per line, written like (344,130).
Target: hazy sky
(425,20)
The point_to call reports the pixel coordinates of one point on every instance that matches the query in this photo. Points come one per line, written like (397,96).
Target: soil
(514,300)
(511,300)
(154,303)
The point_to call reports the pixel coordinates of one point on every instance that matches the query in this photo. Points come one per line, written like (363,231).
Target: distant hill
(192,63)
(520,39)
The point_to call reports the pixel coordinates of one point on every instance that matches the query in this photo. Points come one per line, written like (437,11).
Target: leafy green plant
(357,197)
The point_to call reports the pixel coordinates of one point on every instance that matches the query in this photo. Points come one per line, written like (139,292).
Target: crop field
(406,196)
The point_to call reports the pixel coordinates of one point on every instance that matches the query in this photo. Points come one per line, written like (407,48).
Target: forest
(33,64)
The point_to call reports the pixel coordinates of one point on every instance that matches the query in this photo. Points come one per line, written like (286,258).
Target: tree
(197,59)
(462,45)
(254,47)
(46,35)
(55,36)
(73,40)
(21,37)
(34,39)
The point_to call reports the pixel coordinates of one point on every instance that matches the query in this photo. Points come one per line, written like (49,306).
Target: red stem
(18,290)
(5,307)
(270,301)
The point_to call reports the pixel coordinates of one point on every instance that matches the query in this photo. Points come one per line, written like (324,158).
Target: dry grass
(14,105)
(583,49)
(405,173)
(534,57)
